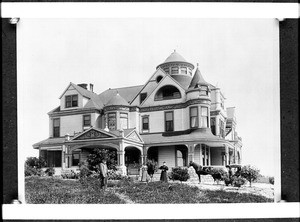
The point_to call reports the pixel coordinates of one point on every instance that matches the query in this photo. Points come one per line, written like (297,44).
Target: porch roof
(203,135)
(49,141)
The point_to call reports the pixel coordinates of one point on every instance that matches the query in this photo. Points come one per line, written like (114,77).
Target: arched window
(167,92)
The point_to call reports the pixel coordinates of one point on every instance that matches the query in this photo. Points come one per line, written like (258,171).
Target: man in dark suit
(103,174)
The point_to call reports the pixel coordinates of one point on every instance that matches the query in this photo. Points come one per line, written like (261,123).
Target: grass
(41,190)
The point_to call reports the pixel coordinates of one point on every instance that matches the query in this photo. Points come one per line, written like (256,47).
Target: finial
(197,65)
(174,50)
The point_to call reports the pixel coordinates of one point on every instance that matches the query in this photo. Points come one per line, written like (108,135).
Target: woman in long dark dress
(163,175)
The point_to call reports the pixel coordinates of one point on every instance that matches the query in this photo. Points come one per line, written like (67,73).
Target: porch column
(226,154)
(201,157)
(63,157)
(145,150)
(209,156)
(191,156)
(121,159)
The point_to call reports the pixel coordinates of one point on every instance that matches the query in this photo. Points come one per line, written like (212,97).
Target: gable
(134,136)
(150,85)
(166,81)
(92,134)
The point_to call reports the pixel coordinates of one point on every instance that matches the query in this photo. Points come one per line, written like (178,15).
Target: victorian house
(176,117)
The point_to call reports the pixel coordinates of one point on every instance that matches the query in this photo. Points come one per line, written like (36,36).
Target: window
(124,120)
(158,79)
(87,120)
(213,125)
(167,70)
(183,70)
(193,117)
(53,158)
(75,159)
(204,90)
(145,123)
(56,126)
(71,101)
(112,121)
(169,122)
(222,130)
(204,117)
(167,92)
(174,70)
(142,97)
(190,71)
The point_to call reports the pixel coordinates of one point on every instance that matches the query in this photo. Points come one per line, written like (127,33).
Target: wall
(166,154)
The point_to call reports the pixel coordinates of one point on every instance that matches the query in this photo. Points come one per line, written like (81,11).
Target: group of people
(103,173)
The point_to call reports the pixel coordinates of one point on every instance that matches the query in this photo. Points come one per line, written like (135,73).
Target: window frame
(54,128)
(202,117)
(123,118)
(90,120)
(148,128)
(108,119)
(165,114)
(72,100)
(197,117)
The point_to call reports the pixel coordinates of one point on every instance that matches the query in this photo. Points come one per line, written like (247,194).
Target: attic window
(183,70)
(71,101)
(143,96)
(174,70)
(167,92)
(158,79)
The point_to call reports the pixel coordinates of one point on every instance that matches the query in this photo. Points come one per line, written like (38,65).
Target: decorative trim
(174,106)
(116,107)
(74,112)
(92,134)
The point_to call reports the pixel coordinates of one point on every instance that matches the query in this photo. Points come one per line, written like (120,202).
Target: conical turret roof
(175,57)
(198,79)
(117,100)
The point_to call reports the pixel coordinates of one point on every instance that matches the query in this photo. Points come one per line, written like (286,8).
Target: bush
(151,167)
(50,171)
(250,173)
(70,175)
(33,166)
(84,170)
(238,181)
(33,171)
(271,180)
(114,175)
(179,173)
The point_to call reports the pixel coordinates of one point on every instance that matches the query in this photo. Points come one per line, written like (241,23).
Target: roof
(128,93)
(117,100)
(195,135)
(175,57)
(50,141)
(183,80)
(198,79)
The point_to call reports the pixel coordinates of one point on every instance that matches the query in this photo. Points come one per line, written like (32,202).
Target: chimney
(91,87)
(82,85)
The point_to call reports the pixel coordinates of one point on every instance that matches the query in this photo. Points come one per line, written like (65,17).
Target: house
(176,117)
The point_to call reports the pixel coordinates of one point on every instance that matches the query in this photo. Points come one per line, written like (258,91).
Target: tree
(250,173)
(98,154)
(35,162)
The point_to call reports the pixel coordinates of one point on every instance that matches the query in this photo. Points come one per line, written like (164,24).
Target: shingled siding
(84,155)
(166,154)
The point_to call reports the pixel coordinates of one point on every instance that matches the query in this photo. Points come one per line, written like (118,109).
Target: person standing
(163,175)
(144,177)
(103,174)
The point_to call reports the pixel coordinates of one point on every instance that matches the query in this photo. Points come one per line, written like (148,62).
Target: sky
(238,55)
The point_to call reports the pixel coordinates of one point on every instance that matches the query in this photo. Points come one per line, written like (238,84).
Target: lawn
(48,190)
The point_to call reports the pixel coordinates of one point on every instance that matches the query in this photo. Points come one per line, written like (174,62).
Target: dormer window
(143,96)
(71,101)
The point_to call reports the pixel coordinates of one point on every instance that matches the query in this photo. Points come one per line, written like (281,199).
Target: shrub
(238,181)
(33,166)
(151,167)
(271,180)
(250,173)
(50,171)
(84,170)
(179,173)
(70,175)
(98,154)
(114,175)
